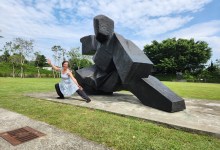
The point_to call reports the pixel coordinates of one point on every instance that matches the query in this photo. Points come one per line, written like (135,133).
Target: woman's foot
(88,100)
(60,97)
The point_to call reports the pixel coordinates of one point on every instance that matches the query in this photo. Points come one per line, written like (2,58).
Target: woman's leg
(58,90)
(83,95)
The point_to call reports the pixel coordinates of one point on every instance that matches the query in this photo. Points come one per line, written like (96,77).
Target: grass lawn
(112,130)
(207,91)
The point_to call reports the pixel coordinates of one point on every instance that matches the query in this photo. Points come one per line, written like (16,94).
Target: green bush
(165,77)
(204,76)
(189,77)
(30,71)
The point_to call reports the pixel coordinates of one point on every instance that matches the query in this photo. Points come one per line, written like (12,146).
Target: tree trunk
(57,74)
(78,66)
(38,73)
(53,74)
(13,71)
(22,71)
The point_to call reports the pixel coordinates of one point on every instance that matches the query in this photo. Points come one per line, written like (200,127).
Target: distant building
(48,68)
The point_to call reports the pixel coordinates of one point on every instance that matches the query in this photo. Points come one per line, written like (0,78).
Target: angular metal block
(103,27)
(151,92)
(89,45)
(103,56)
(112,83)
(131,62)
(91,78)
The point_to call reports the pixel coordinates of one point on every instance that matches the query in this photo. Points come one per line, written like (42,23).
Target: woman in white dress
(68,85)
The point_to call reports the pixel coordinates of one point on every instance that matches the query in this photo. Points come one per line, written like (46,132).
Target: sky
(64,22)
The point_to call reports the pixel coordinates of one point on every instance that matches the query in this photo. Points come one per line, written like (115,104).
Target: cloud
(161,25)
(38,22)
(214,43)
(205,29)
(36,17)
(64,22)
(34,22)
(147,17)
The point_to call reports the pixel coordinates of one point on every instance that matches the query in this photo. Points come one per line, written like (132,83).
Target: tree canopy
(178,55)
(5,56)
(77,60)
(40,60)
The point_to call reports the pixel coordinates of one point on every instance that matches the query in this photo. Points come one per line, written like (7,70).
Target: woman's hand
(54,67)
(80,87)
(49,61)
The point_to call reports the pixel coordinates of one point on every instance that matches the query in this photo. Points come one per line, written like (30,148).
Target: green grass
(209,91)
(110,129)
(206,91)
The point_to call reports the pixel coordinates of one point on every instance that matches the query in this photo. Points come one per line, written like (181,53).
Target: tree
(5,56)
(75,56)
(84,62)
(77,60)
(10,56)
(14,60)
(24,49)
(171,55)
(212,67)
(63,53)
(218,63)
(9,47)
(58,52)
(8,50)
(211,73)
(40,61)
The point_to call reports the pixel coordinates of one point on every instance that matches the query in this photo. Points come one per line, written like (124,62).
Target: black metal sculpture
(120,64)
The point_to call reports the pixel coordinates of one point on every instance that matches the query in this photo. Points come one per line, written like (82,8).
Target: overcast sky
(64,22)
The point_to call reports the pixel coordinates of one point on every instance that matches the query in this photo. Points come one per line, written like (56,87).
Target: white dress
(67,86)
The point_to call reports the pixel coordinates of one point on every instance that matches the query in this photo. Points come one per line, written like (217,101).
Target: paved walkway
(200,116)
(55,139)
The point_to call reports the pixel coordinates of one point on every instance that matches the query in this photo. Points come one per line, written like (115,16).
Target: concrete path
(200,116)
(55,139)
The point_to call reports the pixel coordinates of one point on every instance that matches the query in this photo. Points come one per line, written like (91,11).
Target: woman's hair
(64,62)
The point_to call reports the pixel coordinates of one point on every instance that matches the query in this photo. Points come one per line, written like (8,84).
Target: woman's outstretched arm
(54,67)
(74,79)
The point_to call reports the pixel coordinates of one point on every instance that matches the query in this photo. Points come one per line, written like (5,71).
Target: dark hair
(64,62)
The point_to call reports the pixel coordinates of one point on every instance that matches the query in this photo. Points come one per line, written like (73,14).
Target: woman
(68,85)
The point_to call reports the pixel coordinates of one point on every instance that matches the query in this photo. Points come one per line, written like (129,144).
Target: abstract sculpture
(120,64)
